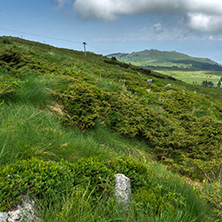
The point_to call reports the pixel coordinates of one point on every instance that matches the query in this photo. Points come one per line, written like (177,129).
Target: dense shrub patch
(42,179)
(175,134)
(52,180)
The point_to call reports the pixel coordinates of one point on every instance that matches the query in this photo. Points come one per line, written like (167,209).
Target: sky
(193,27)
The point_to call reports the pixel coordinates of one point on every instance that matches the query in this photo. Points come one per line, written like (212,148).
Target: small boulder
(123,189)
(3,216)
(24,212)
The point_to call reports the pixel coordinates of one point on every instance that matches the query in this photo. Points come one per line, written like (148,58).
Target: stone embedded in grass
(122,189)
(24,212)
(3,216)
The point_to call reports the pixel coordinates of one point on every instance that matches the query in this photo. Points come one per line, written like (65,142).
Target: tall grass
(28,128)
(31,90)
(27,131)
(82,207)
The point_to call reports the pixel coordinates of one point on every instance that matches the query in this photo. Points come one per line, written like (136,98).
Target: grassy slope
(167,60)
(43,87)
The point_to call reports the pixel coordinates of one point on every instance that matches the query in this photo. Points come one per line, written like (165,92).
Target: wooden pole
(84,43)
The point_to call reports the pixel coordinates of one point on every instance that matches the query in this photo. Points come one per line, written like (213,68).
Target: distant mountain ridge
(155,59)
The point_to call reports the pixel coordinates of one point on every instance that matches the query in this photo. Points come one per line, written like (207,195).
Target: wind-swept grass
(31,90)
(27,131)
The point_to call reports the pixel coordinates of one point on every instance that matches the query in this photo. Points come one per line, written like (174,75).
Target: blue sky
(193,27)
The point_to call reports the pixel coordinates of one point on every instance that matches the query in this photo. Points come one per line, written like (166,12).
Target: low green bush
(83,104)
(175,134)
(135,170)
(6,41)
(11,56)
(95,174)
(52,180)
(35,177)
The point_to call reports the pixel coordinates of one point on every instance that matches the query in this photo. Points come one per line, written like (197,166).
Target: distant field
(194,76)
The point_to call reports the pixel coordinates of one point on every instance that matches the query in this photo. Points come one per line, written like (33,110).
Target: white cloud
(109,9)
(211,37)
(205,23)
(157,28)
(203,15)
(216,38)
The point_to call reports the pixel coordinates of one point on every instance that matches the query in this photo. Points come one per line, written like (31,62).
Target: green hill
(70,122)
(164,60)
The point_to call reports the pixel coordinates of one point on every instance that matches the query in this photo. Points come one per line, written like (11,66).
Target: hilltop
(164,60)
(69,122)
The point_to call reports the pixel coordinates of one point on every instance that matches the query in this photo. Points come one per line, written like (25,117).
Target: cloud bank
(202,15)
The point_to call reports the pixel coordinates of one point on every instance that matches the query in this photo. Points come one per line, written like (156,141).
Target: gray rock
(123,189)
(16,215)
(24,212)
(3,216)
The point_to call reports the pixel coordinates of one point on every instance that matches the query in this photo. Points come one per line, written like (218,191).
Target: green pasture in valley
(194,76)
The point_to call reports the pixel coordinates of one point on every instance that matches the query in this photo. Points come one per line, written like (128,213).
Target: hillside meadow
(167,60)
(70,122)
(180,66)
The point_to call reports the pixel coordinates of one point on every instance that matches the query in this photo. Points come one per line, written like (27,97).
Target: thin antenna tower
(84,43)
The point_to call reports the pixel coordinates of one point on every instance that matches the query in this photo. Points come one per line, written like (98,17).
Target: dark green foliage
(175,134)
(201,65)
(95,174)
(115,62)
(136,171)
(176,103)
(6,41)
(125,115)
(53,180)
(83,104)
(48,180)
(10,56)
(203,150)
